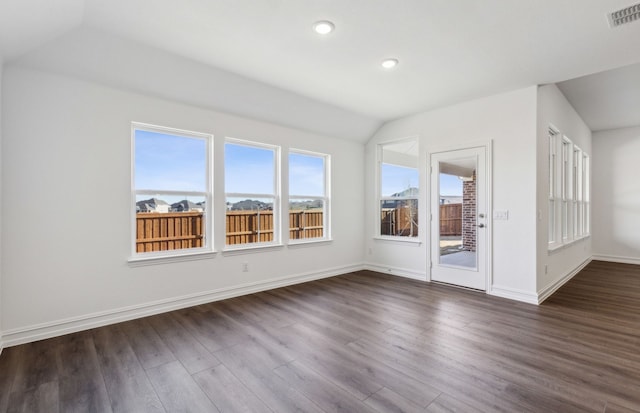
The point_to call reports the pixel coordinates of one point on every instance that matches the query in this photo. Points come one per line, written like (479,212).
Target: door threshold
(462,287)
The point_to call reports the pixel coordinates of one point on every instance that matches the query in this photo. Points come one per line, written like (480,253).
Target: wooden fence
(451,219)
(243,227)
(401,221)
(168,231)
(178,230)
(306,224)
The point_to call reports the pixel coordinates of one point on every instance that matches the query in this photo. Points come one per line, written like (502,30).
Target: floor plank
(41,398)
(177,390)
(255,368)
(183,345)
(448,404)
(145,342)
(126,381)
(227,392)
(386,400)
(8,370)
(37,364)
(81,386)
(321,391)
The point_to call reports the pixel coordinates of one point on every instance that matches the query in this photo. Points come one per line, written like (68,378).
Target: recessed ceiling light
(389,63)
(323,27)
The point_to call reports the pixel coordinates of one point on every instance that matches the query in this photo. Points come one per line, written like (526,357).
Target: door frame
(488,146)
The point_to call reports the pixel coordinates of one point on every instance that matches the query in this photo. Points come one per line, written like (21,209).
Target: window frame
(577,192)
(207,194)
(325,198)
(276,196)
(380,198)
(553,187)
(586,194)
(566,191)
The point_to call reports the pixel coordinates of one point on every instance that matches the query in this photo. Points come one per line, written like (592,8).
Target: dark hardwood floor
(362,342)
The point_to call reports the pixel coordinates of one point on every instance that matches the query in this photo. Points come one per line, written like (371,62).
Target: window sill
(552,250)
(309,243)
(403,240)
(250,249)
(140,260)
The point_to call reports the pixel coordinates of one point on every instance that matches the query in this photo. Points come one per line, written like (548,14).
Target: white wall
(509,120)
(561,264)
(616,195)
(1,115)
(100,57)
(65,208)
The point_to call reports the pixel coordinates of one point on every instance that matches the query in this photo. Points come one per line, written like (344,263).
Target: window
(398,190)
(577,192)
(171,191)
(586,227)
(576,183)
(251,178)
(553,201)
(567,176)
(568,191)
(308,199)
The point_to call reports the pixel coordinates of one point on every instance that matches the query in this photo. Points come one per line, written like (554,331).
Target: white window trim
(566,195)
(326,215)
(586,194)
(577,192)
(552,227)
(207,251)
(276,196)
(380,198)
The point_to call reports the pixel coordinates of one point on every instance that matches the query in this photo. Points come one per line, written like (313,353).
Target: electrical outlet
(245,267)
(546,269)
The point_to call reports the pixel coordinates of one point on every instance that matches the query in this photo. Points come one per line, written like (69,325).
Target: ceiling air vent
(624,16)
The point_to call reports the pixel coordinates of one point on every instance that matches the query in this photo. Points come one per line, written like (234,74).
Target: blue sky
(306,175)
(248,169)
(166,162)
(450,185)
(398,178)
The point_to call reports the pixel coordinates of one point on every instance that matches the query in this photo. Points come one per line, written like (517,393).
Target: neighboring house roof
(450,199)
(409,192)
(150,204)
(186,205)
(251,205)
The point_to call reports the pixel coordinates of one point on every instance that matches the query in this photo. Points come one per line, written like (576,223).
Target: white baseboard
(85,322)
(553,287)
(513,294)
(401,272)
(614,258)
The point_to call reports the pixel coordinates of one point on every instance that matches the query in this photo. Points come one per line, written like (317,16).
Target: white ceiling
(449,51)
(606,100)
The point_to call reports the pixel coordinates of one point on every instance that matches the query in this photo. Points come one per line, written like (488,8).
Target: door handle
(480,225)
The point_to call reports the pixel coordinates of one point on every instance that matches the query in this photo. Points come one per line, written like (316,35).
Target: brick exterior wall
(469,212)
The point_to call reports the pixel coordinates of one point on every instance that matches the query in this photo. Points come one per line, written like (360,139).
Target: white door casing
(452,263)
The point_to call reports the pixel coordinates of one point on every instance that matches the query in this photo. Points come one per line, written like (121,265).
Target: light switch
(500,215)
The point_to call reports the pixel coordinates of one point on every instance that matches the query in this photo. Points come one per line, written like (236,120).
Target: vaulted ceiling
(266,50)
